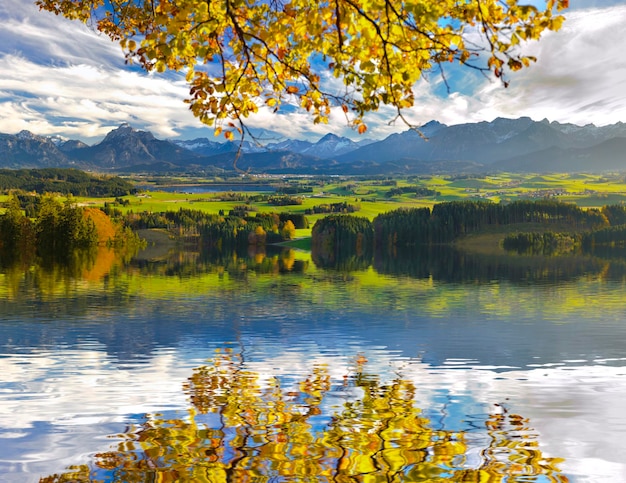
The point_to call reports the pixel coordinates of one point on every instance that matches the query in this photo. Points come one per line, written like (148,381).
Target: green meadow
(371,195)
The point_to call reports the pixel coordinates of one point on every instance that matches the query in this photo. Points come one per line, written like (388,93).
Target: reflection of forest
(51,277)
(103,263)
(446,264)
(240,428)
(439,263)
(257,259)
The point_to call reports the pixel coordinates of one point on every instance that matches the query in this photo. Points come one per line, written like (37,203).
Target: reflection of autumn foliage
(245,430)
(103,262)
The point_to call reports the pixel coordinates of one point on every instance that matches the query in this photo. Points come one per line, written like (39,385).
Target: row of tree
(610,234)
(342,237)
(64,181)
(232,231)
(419,191)
(448,221)
(546,243)
(339,207)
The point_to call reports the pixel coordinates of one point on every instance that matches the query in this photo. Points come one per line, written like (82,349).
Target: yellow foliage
(288,230)
(239,54)
(104,226)
(262,432)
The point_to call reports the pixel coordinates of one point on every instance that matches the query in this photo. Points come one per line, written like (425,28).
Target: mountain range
(515,145)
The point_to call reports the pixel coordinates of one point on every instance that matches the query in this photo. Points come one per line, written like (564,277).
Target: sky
(58,77)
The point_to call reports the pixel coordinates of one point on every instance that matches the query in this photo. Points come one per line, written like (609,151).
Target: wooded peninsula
(51,213)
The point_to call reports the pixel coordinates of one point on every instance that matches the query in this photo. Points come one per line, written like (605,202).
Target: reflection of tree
(243,429)
(341,261)
(449,265)
(512,451)
(49,276)
(238,263)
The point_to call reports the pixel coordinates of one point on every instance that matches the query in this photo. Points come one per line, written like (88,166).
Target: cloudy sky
(59,78)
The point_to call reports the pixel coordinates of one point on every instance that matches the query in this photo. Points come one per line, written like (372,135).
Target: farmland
(372,196)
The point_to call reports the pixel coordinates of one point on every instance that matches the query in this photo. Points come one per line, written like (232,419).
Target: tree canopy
(355,55)
(65,181)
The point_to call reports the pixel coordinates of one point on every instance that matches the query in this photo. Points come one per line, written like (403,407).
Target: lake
(209,188)
(267,367)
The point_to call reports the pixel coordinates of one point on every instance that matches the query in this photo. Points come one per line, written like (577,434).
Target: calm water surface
(209,188)
(270,368)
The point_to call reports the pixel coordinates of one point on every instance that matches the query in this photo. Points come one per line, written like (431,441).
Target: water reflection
(439,263)
(450,265)
(242,427)
(260,260)
(86,353)
(112,270)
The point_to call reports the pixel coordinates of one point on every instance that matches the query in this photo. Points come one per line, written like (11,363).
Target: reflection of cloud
(68,400)
(59,411)
(75,84)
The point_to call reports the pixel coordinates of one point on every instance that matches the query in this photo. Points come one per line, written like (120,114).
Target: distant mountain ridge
(517,145)
(25,149)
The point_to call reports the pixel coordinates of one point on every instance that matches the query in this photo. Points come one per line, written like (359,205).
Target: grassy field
(584,189)
(371,196)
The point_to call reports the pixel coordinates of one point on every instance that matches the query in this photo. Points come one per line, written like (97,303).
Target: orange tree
(239,54)
(240,429)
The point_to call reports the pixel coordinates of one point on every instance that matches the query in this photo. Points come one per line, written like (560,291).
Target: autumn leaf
(379,49)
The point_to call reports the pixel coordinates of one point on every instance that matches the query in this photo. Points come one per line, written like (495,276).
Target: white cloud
(76,84)
(86,100)
(50,39)
(580,77)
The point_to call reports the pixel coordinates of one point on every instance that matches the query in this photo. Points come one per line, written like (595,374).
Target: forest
(57,231)
(34,223)
(40,224)
(64,181)
(447,222)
